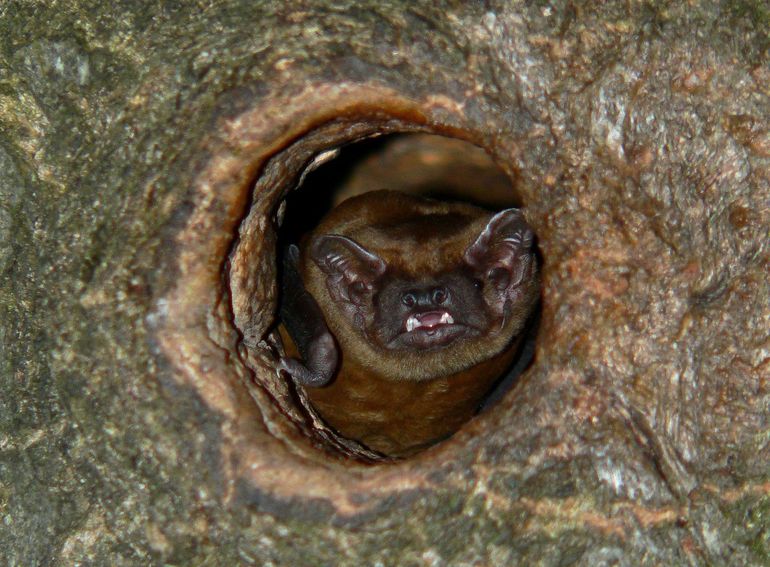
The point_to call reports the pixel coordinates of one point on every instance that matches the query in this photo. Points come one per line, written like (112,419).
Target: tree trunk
(145,152)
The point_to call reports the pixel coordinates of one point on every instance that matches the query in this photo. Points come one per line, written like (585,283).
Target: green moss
(754,521)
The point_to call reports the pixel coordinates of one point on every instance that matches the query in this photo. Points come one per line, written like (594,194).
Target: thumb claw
(300,374)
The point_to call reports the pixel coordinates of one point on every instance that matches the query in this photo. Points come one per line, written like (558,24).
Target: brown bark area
(141,147)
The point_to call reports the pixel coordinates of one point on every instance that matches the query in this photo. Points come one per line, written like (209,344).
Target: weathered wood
(138,426)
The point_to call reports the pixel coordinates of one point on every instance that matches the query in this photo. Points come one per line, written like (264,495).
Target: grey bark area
(144,150)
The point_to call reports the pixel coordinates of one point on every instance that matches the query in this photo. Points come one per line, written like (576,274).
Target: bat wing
(307,327)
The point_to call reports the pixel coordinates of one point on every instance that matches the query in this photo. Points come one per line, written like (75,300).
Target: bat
(400,313)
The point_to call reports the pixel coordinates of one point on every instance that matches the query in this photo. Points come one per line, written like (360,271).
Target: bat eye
(408,299)
(439,295)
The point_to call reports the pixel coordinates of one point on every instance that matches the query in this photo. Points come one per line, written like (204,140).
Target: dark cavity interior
(424,164)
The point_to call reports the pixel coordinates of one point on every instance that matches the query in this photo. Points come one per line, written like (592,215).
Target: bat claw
(301,374)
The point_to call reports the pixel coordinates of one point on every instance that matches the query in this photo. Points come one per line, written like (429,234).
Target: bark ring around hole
(214,327)
(132,135)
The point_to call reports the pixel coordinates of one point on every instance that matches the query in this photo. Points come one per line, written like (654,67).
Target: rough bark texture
(138,426)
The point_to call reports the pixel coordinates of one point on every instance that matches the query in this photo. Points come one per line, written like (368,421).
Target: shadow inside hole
(421,164)
(523,360)
(430,165)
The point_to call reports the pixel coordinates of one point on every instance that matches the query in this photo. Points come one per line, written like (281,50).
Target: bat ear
(350,268)
(501,254)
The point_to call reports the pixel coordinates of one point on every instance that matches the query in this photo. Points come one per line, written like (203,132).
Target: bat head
(432,310)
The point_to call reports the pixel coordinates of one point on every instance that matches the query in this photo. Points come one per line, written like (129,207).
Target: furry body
(426,302)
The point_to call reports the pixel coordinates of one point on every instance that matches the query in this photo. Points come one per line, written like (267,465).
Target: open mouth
(429,320)
(428,330)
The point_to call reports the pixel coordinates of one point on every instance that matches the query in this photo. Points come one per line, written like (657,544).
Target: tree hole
(315,179)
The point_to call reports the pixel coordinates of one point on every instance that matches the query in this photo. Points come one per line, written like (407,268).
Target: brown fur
(416,236)
(399,402)
(402,418)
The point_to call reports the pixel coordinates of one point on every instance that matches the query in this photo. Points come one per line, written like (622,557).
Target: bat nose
(430,296)
(425,297)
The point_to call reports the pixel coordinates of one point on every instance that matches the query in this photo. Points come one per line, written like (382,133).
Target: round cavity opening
(442,260)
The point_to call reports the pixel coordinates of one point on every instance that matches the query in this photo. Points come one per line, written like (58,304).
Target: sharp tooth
(447,318)
(411,323)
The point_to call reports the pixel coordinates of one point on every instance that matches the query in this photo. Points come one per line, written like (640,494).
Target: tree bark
(144,152)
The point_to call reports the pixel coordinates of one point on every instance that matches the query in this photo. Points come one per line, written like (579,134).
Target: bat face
(432,313)
(409,285)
